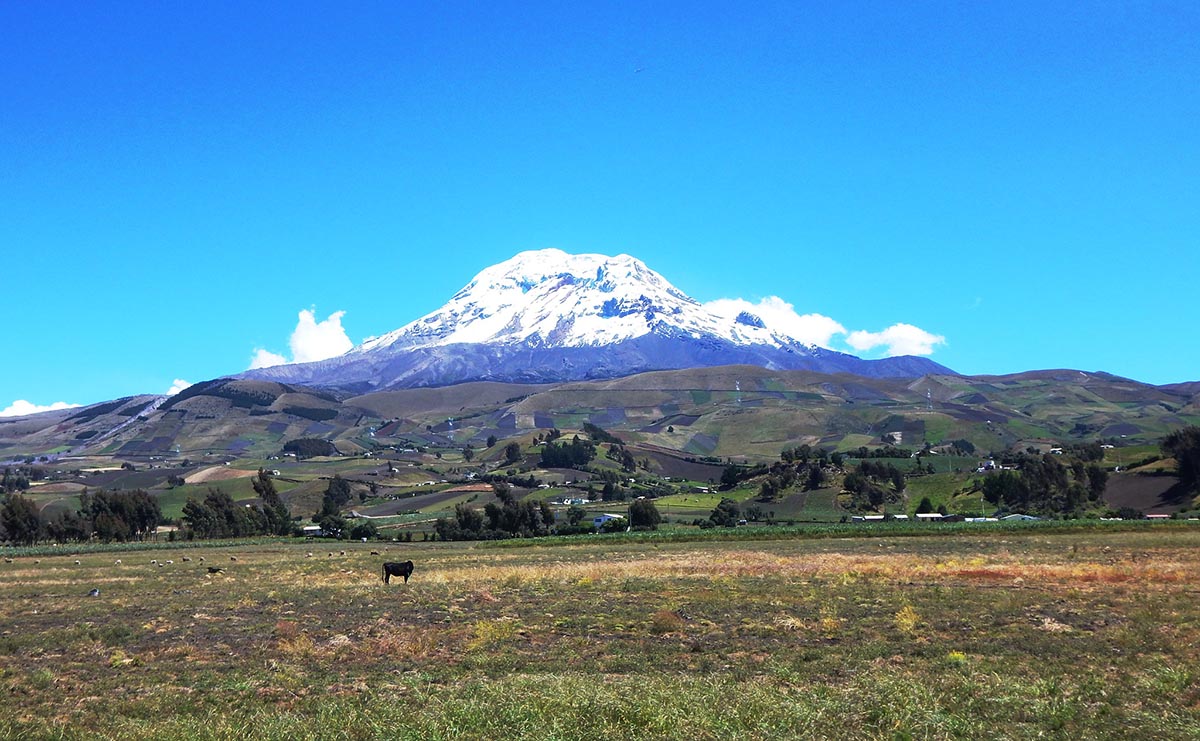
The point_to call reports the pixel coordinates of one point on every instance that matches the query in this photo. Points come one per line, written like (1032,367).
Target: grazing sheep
(202,559)
(170,561)
(187,558)
(154,561)
(77,562)
(8,560)
(215,570)
(233,558)
(374,553)
(117,562)
(343,553)
(94,593)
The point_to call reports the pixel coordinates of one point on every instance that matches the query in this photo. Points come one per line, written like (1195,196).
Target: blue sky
(180,180)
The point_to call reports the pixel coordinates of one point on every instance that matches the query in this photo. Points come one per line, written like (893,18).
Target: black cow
(391,569)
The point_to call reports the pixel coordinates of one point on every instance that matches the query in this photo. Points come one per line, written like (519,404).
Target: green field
(1040,632)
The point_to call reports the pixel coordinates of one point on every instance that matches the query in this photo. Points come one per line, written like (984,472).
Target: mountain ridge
(744,409)
(546,316)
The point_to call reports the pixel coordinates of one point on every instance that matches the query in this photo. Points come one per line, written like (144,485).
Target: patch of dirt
(218,473)
(68,487)
(1149,494)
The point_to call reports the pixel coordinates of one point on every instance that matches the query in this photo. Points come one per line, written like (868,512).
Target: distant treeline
(105,515)
(309,447)
(506,519)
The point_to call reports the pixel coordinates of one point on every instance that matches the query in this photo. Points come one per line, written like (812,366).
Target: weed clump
(666,621)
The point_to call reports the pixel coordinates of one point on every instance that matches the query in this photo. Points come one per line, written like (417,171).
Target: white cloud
(780,316)
(816,329)
(20,408)
(265,359)
(898,339)
(177,386)
(313,340)
(310,341)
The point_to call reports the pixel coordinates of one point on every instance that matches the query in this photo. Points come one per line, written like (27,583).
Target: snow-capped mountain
(548,298)
(546,316)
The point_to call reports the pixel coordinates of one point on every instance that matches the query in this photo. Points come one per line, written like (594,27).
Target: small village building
(599,520)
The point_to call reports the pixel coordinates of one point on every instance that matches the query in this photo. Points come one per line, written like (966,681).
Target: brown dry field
(218,473)
(1091,634)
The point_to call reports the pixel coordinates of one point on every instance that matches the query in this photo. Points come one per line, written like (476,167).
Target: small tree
(575,514)
(338,490)
(20,521)
(1184,446)
(726,514)
(643,515)
(278,518)
(512,452)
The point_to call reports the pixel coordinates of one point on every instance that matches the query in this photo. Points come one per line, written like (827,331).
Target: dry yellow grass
(983,624)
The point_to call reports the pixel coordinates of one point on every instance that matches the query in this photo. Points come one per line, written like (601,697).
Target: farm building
(599,520)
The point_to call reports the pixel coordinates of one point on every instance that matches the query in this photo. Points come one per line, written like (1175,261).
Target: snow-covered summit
(547,317)
(549,298)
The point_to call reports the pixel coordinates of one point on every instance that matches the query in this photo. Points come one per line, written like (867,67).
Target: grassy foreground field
(1087,634)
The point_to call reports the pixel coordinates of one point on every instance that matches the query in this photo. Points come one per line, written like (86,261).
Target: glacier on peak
(550,298)
(547,316)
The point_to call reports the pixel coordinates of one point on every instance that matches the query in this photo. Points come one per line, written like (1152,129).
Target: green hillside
(681,429)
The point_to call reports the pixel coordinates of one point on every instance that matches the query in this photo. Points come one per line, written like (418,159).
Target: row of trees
(510,518)
(1044,485)
(218,516)
(507,518)
(806,453)
(872,484)
(801,469)
(17,479)
(105,515)
(575,454)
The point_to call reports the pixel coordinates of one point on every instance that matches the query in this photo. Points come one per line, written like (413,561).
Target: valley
(412,455)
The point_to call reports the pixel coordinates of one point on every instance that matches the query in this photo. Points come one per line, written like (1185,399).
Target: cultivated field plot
(1087,634)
